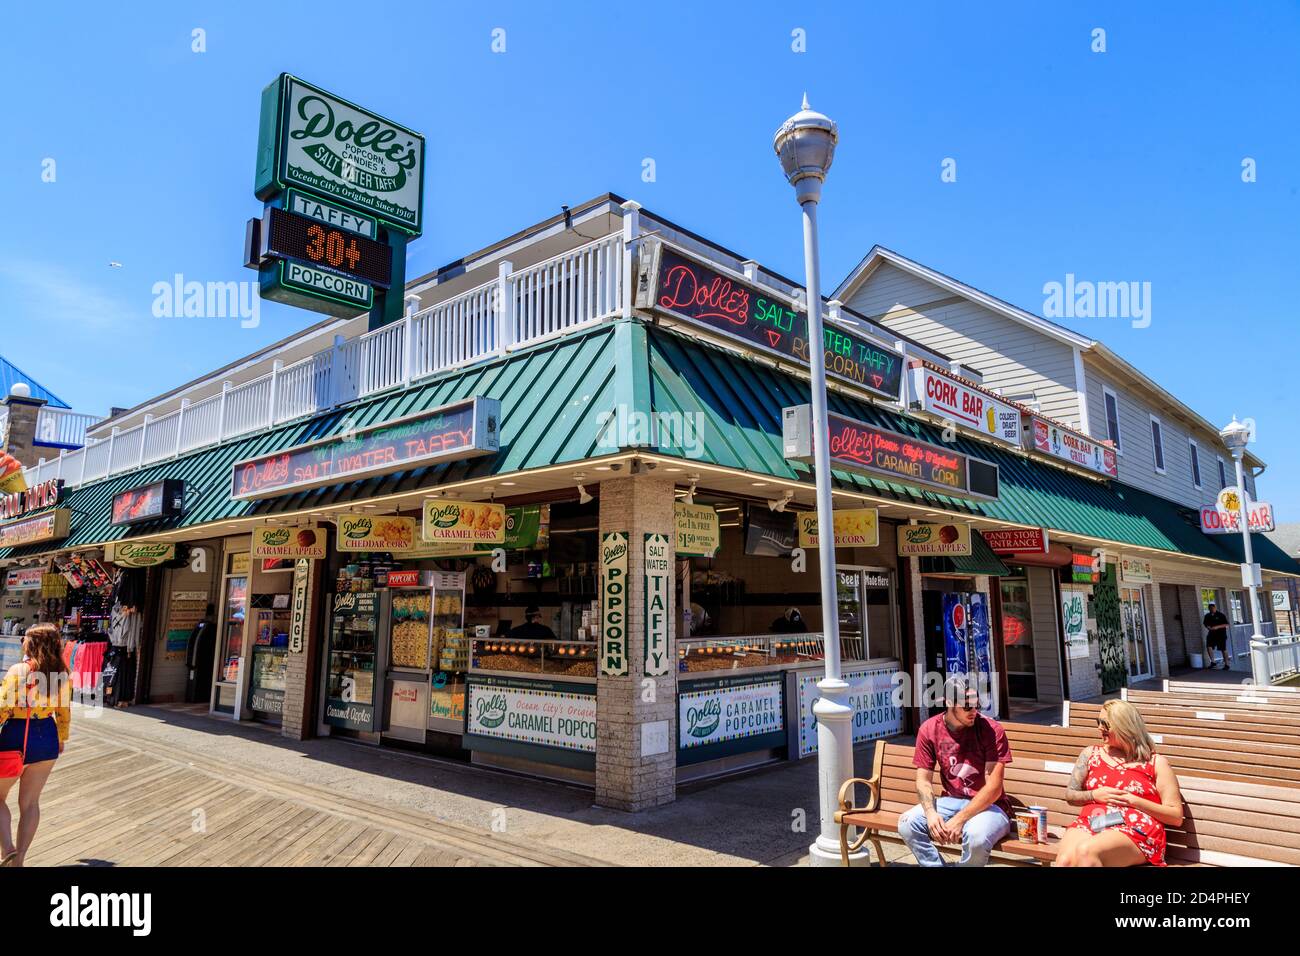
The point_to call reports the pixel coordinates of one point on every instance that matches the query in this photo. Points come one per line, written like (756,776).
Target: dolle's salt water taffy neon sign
(685,288)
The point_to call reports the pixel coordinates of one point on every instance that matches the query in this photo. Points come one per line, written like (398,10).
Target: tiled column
(636,725)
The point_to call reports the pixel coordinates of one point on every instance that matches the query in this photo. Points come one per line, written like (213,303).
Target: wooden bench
(1213,757)
(1228,822)
(1200,689)
(1246,729)
(1286,707)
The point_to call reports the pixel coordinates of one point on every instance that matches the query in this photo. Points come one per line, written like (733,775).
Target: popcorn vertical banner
(613,604)
(658,575)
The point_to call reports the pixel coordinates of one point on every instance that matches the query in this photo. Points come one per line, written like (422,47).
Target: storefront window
(1017,637)
(1237,606)
(236,609)
(1133,617)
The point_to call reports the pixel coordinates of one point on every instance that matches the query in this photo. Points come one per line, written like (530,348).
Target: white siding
(1137,458)
(1012,357)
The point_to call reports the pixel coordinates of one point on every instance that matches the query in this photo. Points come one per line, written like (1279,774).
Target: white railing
(1281,657)
(1239,643)
(59,426)
(517,309)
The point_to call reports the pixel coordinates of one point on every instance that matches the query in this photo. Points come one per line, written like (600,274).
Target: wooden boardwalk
(121,800)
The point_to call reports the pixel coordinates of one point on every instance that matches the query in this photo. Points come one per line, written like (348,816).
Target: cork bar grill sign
(465,429)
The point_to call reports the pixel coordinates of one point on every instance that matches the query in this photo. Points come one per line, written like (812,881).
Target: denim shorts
(42,739)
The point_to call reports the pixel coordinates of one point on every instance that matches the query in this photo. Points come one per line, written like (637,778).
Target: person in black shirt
(791,622)
(1216,626)
(532,629)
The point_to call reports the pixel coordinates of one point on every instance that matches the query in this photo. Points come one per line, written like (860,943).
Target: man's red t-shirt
(962,756)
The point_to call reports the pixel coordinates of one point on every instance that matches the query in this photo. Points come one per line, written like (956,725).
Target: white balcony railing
(573,290)
(59,426)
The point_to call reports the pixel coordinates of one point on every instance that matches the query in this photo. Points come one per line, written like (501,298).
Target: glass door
(1137,641)
(1018,639)
(234,611)
(848,596)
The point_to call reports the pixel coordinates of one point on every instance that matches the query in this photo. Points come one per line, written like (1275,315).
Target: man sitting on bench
(970,750)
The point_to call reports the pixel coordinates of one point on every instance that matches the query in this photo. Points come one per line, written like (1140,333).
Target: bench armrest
(873,791)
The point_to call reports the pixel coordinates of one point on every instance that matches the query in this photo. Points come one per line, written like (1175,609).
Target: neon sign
(458,431)
(688,289)
(857,446)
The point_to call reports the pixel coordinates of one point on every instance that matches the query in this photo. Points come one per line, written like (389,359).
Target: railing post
(275,391)
(112,440)
(59,471)
(221,418)
(751,269)
(180,426)
(144,438)
(631,235)
(336,372)
(505,307)
(408,344)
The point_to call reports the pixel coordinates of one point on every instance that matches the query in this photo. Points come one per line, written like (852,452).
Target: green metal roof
(550,396)
(741,402)
(981,560)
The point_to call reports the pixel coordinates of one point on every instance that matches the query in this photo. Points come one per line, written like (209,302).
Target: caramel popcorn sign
(463,522)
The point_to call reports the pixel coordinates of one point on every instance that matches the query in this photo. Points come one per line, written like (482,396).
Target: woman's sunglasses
(1103,725)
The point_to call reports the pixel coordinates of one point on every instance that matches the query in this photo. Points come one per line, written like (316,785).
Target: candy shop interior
(412,626)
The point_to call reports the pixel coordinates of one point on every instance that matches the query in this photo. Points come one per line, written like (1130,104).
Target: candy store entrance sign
(685,288)
(461,430)
(857,446)
(613,604)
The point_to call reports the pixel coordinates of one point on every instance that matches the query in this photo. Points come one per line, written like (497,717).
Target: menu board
(185,610)
(687,288)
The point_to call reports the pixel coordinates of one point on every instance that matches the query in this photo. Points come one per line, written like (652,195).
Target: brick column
(299,718)
(20,429)
(636,715)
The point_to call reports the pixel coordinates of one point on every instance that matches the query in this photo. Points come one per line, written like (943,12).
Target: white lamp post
(1237,436)
(805,144)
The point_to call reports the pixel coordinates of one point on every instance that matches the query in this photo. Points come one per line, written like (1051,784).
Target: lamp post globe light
(1236,436)
(805,144)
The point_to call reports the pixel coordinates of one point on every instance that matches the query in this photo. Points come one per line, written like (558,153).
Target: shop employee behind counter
(532,629)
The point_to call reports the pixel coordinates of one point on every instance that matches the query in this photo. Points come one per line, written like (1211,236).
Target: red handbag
(11,761)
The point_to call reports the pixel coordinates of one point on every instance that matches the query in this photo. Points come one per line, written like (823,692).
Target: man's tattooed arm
(1076,791)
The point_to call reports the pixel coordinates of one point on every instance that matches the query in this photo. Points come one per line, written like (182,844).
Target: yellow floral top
(46,701)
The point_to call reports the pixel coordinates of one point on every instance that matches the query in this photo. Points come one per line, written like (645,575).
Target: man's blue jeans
(978,837)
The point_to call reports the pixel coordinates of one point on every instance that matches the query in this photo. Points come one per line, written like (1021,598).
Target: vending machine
(967,646)
(423,615)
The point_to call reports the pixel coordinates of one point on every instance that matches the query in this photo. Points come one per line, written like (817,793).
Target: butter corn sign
(323,144)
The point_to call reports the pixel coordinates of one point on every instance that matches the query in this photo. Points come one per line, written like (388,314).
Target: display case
(740,653)
(349,698)
(450,650)
(270,661)
(571,659)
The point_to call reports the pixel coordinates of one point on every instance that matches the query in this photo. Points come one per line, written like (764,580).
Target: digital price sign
(858,446)
(162,499)
(308,240)
(683,287)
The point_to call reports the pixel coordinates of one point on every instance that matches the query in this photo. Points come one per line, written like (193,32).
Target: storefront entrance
(1137,639)
(1018,639)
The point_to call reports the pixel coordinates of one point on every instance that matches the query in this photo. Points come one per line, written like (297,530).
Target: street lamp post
(805,144)
(1236,436)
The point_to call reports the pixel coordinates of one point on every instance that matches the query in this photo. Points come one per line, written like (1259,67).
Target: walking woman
(35,713)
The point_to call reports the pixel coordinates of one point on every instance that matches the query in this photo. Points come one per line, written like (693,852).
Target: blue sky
(1116,166)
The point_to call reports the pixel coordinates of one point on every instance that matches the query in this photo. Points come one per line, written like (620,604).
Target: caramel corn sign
(613,603)
(463,522)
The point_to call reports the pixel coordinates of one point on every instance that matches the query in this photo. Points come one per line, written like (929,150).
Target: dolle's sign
(687,288)
(328,146)
(458,431)
(857,446)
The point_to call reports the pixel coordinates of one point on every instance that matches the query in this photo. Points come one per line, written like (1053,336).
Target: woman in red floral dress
(1122,773)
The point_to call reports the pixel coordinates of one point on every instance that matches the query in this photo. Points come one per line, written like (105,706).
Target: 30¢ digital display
(308,240)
